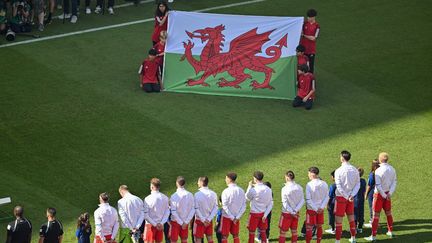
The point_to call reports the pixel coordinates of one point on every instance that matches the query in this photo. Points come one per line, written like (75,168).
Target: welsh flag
(235,55)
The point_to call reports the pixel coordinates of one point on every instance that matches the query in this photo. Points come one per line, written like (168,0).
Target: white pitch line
(120,25)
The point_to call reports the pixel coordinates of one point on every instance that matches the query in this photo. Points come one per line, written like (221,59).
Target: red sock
(210,241)
(263,236)
(236,239)
(282,238)
(390,223)
(308,234)
(319,233)
(375,225)
(224,240)
(353,229)
(251,237)
(294,237)
(338,231)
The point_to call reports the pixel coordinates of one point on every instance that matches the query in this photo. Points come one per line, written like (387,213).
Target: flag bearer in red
(149,71)
(310,34)
(305,88)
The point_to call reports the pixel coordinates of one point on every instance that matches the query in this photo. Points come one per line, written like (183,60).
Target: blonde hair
(383,157)
(163,35)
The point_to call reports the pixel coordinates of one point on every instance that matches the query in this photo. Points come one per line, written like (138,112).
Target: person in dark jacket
(84,230)
(19,230)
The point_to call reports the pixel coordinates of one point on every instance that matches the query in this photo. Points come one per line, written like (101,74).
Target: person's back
(84,230)
(52,231)
(106,220)
(19,230)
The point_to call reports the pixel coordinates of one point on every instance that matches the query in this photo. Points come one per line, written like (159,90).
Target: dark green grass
(74,123)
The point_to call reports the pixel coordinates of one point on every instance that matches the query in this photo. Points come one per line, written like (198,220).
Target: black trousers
(331,217)
(110,3)
(149,88)
(311,62)
(299,102)
(359,215)
(74,6)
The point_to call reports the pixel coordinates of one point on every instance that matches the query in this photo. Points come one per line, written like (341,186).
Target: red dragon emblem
(242,55)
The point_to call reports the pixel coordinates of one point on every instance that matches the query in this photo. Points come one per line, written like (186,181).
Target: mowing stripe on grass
(120,25)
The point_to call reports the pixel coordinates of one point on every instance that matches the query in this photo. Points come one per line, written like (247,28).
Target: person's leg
(74,7)
(297,102)
(269,216)
(110,3)
(263,226)
(294,226)
(156,88)
(311,218)
(253,222)
(235,230)
(340,206)
(377,206)
(311,62)
(308,104)
(147,88)
(388,212)
(370,200)
(361,216)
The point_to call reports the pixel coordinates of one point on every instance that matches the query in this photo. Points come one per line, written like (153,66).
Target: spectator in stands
(20,22)
(19,230)
(149,73)
(306,88)
(161,21)
(106,220)
(131,211)
(52,231)
(309,36)
(370,190)
(331,205)
(3,19)
(84,229)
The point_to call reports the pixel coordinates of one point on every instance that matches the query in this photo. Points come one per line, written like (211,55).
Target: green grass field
(74,123)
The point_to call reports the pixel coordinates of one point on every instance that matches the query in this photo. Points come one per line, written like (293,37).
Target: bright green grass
(73,122)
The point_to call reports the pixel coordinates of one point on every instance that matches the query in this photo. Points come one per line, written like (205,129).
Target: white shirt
(206,204)
(292,198)
(233,202)
(156,208)
(385,179)
(347,179)
(182,206)
(316,194)
(106,221)
(131,211)
(261,198)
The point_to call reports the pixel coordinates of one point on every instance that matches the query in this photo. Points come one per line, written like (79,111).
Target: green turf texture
(74,123)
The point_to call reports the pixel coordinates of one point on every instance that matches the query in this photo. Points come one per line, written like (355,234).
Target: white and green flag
(236,55)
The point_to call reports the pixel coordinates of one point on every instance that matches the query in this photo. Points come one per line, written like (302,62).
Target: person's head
(289,176)
(203,181)
(152,54)
(313,173)
(123,190)
(84,220)
(311,14)
(51,213)
(258,176)
(103,197)
(180,182)
(155,184)
(375,165)
(332,174)
(231,177)
(300,50)
(302,69)
(161,9)
(383,157)
(361,171)
(18,211)
(163,36)
(345,156)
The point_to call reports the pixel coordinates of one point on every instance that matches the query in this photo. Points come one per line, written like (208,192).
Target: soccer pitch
(74,123)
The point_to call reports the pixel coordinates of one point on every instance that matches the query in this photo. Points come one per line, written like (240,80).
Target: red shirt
(302,59)
(149,72)
(305,85)
(160,48)
(313,30)
(158,28)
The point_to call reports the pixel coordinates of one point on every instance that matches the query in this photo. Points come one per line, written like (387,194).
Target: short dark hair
(204,180)
(290,174)
(346,155)
(311,13)
(314,170)
(258,175)
(267,183)
(361,171)
(152,52)
(333,173)
(155,182)
(52,212)
(18,211)
(181,180)
(232,176)
(304,68)
(104,196)
(300,48)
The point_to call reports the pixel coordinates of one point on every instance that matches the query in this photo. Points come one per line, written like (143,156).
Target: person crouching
(149,73)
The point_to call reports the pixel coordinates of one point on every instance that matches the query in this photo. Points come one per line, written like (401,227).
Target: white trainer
(88,11)
(368,225)
(110,10)
(352,240)
(98,10)
(390,234)
(330,231)
(74,19)
(370,238)
(64,16)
